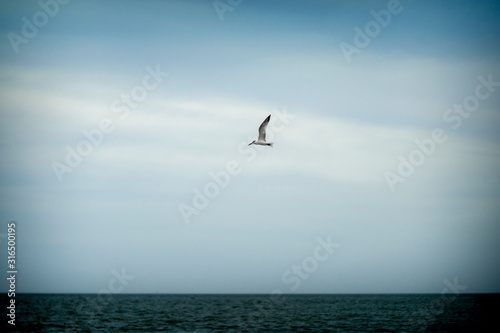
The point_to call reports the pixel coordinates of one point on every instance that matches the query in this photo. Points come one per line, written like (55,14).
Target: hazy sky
(122,121)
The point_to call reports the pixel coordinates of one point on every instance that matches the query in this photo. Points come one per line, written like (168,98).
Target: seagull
(262,134)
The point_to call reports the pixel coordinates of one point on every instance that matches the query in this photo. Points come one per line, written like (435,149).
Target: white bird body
(261,140)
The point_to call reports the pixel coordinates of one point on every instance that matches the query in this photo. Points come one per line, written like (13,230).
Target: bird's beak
(251,143)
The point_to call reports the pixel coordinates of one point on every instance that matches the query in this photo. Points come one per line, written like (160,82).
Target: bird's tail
(271,144)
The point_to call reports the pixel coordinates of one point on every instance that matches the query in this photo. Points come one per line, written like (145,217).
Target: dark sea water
(253,313)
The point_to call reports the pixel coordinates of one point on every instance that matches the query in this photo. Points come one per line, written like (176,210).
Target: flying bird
(261,140)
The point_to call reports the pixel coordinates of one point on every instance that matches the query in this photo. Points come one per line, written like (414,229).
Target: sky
(125,161)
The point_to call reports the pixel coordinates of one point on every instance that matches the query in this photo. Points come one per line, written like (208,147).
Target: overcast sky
(124,131)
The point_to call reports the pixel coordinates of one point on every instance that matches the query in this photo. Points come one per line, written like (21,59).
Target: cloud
(324,175)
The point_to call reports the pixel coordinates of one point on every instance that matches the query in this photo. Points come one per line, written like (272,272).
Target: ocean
(252,313)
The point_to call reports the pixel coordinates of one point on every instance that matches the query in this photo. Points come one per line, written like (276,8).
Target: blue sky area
(124,131)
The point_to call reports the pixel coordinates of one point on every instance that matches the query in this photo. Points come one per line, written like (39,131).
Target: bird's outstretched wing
(262,129)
